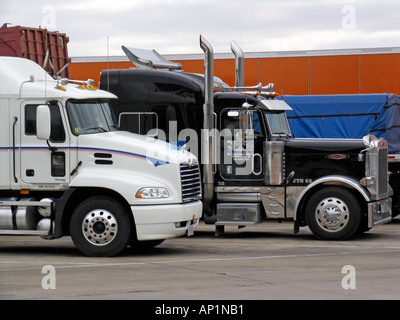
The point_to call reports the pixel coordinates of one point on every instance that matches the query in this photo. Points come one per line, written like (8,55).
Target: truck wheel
(100,226)
(333,214)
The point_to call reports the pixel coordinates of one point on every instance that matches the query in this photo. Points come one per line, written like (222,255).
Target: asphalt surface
(263,262)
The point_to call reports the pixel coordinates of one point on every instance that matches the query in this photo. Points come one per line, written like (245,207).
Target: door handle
(253,159)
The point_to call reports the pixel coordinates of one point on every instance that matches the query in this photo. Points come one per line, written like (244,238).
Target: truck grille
(382,172)
(377,169)
(191,182)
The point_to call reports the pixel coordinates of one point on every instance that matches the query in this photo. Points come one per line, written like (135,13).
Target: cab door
(43,164)
(241,144)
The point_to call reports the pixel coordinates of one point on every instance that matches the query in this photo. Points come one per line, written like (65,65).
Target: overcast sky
(174,26)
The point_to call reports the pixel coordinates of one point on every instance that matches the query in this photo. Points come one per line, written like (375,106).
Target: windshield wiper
(97,128)
(115,127)
(285,133)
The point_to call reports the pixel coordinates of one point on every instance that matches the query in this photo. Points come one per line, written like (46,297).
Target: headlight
(148,193)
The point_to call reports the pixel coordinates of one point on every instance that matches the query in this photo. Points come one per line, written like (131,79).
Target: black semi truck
(253,169)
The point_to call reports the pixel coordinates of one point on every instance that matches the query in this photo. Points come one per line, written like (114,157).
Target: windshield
(90,116)
(277,121)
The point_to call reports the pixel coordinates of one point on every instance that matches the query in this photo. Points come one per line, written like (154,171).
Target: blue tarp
(346,116)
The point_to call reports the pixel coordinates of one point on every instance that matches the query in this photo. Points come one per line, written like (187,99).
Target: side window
(166,113)
(256,123)
(138,122)
(230,121)
(57,127)
(30,120)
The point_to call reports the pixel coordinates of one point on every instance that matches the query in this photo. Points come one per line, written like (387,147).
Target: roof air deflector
(149,59)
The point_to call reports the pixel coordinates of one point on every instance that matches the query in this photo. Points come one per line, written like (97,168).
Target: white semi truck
(66,169)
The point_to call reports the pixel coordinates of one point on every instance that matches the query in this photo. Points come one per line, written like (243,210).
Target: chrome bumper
(379,212)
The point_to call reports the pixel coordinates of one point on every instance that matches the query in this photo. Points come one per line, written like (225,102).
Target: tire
(100,226)
(333,213)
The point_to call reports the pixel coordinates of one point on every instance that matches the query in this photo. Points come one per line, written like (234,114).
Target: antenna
(108,66)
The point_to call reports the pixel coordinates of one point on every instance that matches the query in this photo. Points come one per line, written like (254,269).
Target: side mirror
(43,122)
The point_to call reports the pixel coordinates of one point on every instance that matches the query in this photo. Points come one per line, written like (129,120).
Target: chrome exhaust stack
(208,126)
(239,65)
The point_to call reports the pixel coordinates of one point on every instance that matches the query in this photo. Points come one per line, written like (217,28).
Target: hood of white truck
(126,162)
(156,151)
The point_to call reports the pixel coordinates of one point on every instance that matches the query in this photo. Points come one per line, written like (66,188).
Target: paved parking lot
(262,262)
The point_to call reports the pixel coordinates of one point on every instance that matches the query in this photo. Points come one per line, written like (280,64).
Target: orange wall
(334,75)
(305,75)
(381,72)
(91,70)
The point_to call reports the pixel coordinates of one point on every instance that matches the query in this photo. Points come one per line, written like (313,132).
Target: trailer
(347,116)
(351,117)
(253,169)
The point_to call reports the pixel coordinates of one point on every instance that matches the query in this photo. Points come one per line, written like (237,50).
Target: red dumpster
(47,48)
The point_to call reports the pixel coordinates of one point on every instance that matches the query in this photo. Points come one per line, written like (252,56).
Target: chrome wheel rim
(332,214)
(99,227)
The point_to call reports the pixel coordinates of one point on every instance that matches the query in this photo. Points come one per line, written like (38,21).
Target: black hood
(329,145)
